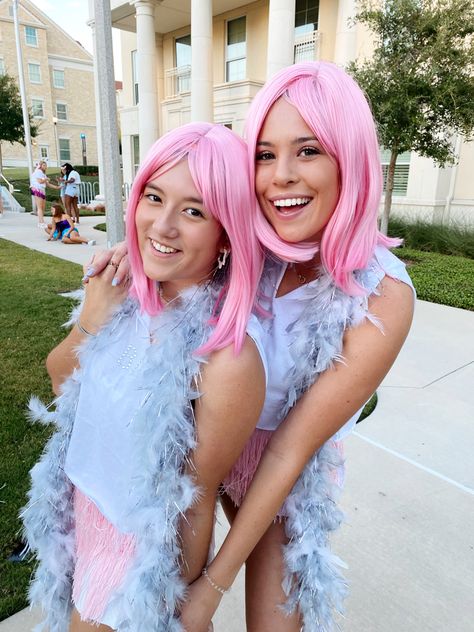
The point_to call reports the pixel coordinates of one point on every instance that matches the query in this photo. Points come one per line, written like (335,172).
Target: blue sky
(72,17)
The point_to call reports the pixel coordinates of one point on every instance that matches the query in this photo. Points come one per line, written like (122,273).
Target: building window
(402,169)
(2,67)
(61,111)
(135,153)
(64,150)
(44,152)
(306,16)
(34,73)
(135,77)
(31,36)
(58,78)
(183,64)
(37,108)
(236,50)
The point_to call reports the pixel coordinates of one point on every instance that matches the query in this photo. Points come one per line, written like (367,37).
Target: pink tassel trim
(104,556)
(237,482)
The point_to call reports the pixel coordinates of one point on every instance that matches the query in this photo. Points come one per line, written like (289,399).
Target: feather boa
(153,588)
(313,581)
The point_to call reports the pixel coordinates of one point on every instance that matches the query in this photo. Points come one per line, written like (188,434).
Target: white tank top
(286,310)
(98,460)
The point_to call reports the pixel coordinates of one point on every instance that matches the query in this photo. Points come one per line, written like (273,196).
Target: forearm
(196,536)
(62,360)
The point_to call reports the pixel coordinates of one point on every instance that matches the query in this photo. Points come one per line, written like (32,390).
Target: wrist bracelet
(219,589)
(84,331)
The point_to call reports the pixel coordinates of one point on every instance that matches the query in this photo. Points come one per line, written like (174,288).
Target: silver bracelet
(84,331)
(219,589)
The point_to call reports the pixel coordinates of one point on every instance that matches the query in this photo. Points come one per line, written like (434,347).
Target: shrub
(445,239)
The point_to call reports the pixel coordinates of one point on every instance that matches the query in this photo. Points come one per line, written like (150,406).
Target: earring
(222,258)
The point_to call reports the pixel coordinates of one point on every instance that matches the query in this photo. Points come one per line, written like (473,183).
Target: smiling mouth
(289,205)
(167,250)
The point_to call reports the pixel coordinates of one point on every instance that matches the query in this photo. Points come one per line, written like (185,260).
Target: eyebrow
(296,141)
(150,185)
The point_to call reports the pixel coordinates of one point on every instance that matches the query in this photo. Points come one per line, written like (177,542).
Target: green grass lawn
(30,326)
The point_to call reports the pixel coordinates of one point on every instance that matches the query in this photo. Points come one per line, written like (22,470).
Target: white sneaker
(91,242)
(41,225)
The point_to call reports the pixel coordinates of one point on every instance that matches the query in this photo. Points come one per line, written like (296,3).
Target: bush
(438,278)
(88,170)
(446,239)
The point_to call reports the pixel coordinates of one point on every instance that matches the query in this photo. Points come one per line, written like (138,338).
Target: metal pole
(24,104)
(56,141)
(108,122)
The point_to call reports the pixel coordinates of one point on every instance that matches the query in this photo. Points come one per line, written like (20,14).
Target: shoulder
(224,364)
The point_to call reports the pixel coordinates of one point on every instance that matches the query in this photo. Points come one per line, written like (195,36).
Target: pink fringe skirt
(239,478)
(103,557)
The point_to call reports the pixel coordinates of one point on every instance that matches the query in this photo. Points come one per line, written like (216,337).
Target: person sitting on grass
(62,228)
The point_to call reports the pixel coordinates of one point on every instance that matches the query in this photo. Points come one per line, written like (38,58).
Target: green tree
(420,79)
(11,115)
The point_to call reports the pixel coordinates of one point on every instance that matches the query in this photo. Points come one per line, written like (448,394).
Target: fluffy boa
(313,581)
(153,588)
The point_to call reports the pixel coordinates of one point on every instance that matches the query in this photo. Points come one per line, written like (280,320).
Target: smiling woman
(166,389)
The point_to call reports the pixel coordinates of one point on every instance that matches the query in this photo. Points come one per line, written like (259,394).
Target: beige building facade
(59,86)
(232,47)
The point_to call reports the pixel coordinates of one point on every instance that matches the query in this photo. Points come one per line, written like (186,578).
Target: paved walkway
(409,497)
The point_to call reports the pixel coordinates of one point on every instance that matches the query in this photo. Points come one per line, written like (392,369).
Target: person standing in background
(72,180)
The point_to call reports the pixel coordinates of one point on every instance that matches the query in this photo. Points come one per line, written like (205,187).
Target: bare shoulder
(394,304)
(224,366)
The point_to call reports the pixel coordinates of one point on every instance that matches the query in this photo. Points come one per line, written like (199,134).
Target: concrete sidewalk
(409,495)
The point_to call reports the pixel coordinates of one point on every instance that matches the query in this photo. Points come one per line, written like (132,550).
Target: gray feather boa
(313,581)
(153,587)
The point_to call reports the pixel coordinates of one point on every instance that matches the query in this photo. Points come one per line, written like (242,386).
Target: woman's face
(179,239)
(296,181)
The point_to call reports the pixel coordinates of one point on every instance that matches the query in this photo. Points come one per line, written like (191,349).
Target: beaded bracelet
(84,331)
(219,589)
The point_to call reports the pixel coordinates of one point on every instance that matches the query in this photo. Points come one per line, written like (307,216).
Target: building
(59,84)
(233,46)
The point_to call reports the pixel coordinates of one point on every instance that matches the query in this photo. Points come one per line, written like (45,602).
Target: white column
(108,122)
(345,49)
(148,108)
(281,35)
(100,156)
(201,61)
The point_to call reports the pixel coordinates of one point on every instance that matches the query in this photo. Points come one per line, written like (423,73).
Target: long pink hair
(218,163)
(335,109)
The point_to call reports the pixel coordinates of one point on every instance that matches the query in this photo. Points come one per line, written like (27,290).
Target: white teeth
(161,248)
(291,202)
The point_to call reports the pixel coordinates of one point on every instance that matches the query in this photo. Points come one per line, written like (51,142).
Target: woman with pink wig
(160,385)
(341,308)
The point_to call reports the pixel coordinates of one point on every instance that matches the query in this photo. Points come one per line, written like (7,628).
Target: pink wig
(335,109)
(218,163)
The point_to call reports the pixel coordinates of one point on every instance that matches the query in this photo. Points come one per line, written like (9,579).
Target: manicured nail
(115,282)
(90,271)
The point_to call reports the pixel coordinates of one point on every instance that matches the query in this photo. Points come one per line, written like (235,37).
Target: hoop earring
(222,258)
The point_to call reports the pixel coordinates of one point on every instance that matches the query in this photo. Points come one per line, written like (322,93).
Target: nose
(165,224)
(285,172)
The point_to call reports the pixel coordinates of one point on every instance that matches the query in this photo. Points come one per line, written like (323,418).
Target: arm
(100,302)
(336,396)
(233,392)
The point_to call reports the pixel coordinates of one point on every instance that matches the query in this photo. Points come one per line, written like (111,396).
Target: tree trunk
(389,189)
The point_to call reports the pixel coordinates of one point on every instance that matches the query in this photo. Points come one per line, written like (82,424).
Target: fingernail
(85,278)
(90,271)
(115,282)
